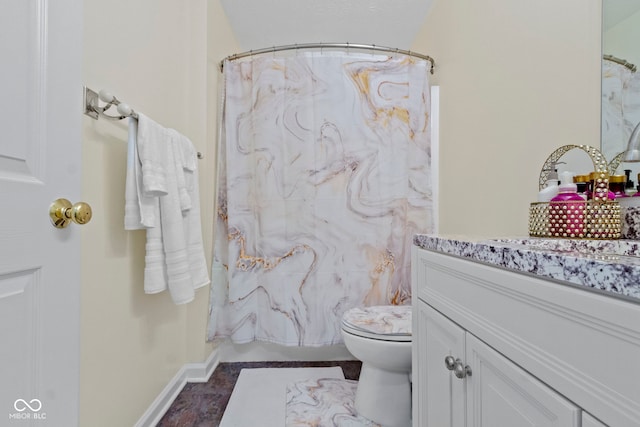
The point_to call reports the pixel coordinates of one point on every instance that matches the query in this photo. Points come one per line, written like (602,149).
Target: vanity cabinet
(589,421)
(469,384)
(529,351)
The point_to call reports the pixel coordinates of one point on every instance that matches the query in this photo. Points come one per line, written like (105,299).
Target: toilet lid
(388,322)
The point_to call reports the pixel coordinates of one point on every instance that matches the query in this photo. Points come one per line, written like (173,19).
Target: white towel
(146,145)
(174,240)
(134,199)
(155,274)
(174,258)
(153,152)
(192,223)
(181,154)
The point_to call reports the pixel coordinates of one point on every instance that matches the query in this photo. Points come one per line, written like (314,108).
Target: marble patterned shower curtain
(324,175)
(620,107)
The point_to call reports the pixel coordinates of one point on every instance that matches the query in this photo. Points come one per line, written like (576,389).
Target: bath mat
(325,402)
(259,396)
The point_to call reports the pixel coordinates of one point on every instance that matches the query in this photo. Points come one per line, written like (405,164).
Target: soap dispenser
(550,189)
(566,210)
(567,190)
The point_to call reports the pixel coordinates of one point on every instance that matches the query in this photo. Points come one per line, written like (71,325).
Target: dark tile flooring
(202,404)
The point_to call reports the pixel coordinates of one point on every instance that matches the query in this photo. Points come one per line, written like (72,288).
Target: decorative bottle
(550,189)
(600,187)
(629,188)
(638,188)
(582,185)
(566,210)
(617,185)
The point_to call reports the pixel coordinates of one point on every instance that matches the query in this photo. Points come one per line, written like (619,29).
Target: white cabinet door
(589,421)
(440,397)
(499,393)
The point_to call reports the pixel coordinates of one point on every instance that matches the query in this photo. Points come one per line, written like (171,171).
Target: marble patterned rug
(324,402)
(293,397)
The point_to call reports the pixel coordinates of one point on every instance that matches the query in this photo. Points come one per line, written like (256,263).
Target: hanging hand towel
(175,254)
(132,220)
(137,204)
(161,195)
(155,274)
(174,232)
(186,152)
(182,167)
(146,156)
(153,152)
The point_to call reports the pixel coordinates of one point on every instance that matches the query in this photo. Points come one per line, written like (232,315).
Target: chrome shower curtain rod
(620,61)
(327,45)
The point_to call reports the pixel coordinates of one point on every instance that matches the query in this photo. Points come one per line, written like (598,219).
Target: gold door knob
(62,212)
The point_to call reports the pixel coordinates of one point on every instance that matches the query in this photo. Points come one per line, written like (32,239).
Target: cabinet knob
(450,362)
(461,370)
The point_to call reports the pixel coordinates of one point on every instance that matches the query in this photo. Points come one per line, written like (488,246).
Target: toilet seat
(386,323)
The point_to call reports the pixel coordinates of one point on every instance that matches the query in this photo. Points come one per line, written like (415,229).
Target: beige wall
(152,54)
(517,79)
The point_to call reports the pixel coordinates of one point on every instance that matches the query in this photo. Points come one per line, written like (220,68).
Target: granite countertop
(610,266)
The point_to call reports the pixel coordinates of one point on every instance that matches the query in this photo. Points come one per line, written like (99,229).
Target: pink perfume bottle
(566,210)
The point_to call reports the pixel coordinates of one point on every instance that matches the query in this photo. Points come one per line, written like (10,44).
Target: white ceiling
(617,10)
(265,23)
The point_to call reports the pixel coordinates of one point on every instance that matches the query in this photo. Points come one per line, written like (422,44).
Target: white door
(499,393)
(40,118)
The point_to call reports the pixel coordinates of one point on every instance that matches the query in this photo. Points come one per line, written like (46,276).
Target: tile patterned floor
(202,404)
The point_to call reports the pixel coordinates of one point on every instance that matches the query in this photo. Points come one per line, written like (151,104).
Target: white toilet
(380,337)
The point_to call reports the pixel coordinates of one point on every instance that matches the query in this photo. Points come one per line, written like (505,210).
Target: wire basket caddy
(598,218)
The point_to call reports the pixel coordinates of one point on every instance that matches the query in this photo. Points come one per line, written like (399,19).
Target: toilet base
(384,396)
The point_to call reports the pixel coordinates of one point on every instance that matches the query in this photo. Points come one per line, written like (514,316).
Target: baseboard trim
(189,373)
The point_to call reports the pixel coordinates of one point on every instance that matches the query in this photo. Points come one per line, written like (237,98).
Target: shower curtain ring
(373,48)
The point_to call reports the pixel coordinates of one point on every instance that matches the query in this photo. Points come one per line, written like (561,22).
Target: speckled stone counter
(611,266)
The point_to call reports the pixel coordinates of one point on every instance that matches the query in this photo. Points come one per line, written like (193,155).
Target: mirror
(620,83)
